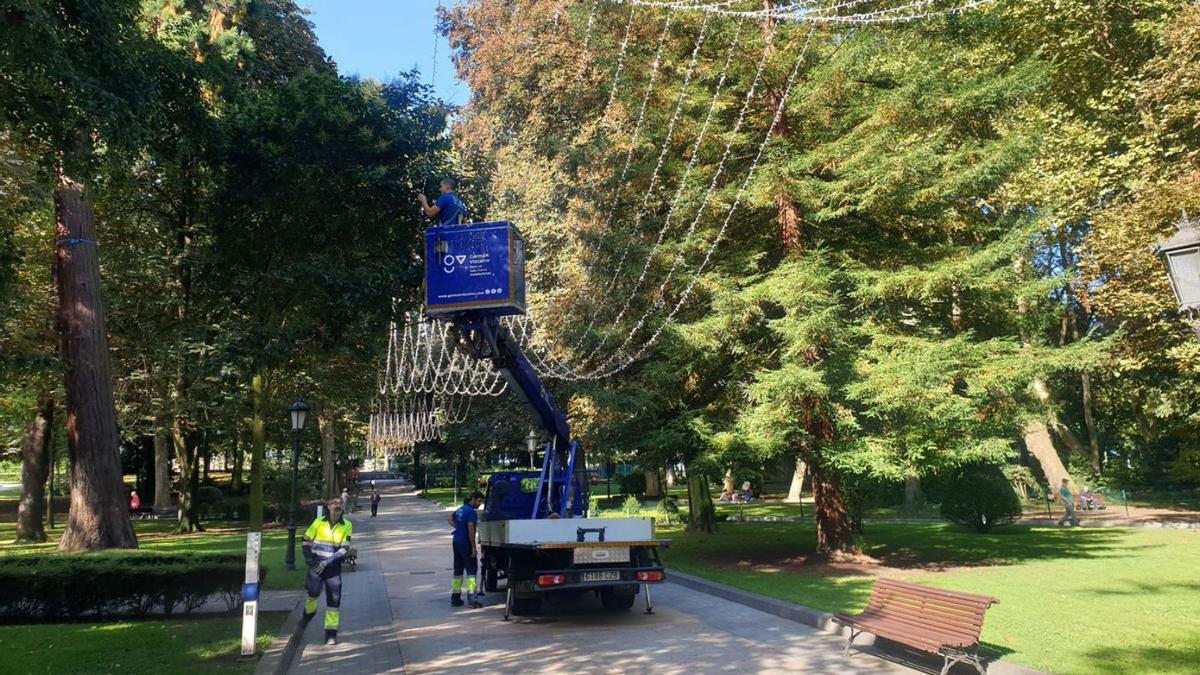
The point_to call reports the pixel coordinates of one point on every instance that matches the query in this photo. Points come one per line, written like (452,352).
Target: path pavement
(396,617)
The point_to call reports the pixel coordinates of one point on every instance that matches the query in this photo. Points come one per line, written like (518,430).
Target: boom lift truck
(535,531)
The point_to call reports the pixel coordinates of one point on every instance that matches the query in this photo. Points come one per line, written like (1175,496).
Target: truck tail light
(551,580)
(649,576)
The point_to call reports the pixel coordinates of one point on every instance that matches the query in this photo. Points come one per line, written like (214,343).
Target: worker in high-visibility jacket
(326,543)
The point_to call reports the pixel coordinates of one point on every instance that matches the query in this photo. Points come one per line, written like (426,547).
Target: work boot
(456,600)
(475,604)
(331,636)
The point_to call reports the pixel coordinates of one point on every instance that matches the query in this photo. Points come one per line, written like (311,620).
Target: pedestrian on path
(466,552)
(1068,501)
(326,543)
(375,499)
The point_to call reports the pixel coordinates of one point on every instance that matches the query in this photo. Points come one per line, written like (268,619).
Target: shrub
(55,587)
(210,501)
(631,505)
(979,496)
(594,505)
(667,510)
(634,483)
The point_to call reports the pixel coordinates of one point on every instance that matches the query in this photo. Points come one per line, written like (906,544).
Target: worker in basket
(326,545)
(448,208)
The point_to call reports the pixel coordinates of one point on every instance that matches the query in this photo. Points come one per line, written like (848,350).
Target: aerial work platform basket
(476,268)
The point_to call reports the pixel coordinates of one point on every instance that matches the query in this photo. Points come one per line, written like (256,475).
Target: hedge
(123,583)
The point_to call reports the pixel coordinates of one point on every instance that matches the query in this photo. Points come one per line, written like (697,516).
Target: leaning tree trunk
(834,533)
(99,516)
(35,466)
(1040,444)
(328,440)
(702,517)
(162,465)
(796,490)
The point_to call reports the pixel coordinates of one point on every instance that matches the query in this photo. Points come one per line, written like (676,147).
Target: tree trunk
(912,492)
(35,464)
(99,516)
(328,440)
(729,487)
(53,469)
(235,482)
(258,446)
(653,491)
(834,533)
(1041,446)
(185,459)
(796,490)
(1090,422)
(671,480)
(162,465)
(702,517)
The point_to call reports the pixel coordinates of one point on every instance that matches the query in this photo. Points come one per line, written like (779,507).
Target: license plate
(592,555)
(601,576)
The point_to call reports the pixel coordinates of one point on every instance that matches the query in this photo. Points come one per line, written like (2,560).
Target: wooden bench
(946,623)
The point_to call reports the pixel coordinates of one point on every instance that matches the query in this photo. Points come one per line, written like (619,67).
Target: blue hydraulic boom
(474,274)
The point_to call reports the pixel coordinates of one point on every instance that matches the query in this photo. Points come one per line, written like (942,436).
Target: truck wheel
(616,602)
(490,578)
(526,606)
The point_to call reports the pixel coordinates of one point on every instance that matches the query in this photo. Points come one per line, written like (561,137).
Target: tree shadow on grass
(938,547)
(788,547)
(1180,658)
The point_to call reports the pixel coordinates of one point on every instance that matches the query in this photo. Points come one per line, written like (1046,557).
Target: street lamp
(298,411)
(531,443)
(1181,253)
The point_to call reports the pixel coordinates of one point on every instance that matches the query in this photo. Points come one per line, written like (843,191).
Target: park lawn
(444,496)
(157,535)
(1072,601)
(192,645)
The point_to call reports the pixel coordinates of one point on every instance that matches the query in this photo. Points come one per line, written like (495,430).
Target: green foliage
(57,587)
(979,496)
(634,483)
(631,505)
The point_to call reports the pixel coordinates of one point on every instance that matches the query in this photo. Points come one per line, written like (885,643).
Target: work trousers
(332,584)
(465,562)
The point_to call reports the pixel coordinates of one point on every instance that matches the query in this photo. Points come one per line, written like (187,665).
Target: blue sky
(380,38)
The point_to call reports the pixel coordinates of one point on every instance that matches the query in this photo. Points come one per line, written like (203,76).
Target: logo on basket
(448,262)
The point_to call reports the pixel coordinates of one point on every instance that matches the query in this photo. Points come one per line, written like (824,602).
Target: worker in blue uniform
(448,208)
(466,552)
(326,543)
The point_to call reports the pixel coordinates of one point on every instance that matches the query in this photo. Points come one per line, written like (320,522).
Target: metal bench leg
(951,659)
(850,642)
(508,602)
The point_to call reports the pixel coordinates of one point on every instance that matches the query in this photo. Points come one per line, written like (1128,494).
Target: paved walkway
(397,603)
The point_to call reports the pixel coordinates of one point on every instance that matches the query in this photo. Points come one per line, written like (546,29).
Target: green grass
(1072,601)
(156,535)
(200,645)
(443,496)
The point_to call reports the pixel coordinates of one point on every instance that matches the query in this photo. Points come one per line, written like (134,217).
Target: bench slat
(908,635)
(922,628)
(917,608)
(955,596)
(921,617)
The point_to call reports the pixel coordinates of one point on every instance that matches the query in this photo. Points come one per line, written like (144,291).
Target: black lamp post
(531,443)
(298,411)
(1181,253)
